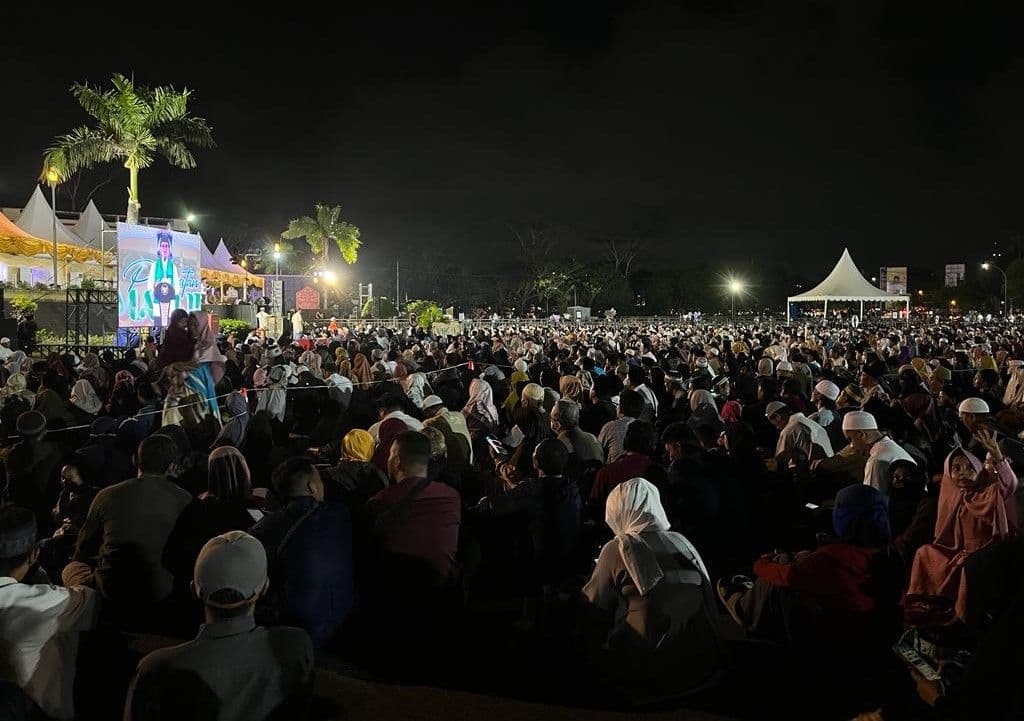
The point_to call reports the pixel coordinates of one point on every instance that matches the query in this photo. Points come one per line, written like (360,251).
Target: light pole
(53,177)
(735,288)
(103,254)
(988,266)
(277,261)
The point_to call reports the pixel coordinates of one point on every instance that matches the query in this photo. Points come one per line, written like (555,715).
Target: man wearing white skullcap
(800,438)
(824,397)
(861,429)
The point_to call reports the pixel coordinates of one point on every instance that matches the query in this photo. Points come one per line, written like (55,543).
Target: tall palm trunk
(133,195)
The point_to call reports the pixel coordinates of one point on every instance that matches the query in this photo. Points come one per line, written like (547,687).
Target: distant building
(955,273)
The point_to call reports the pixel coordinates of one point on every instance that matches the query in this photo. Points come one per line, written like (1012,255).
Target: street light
(990,266)
(53,177)
(103,254)
(277,260)
(735,288)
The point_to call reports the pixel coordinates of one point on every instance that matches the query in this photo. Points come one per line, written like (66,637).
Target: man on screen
(164,280)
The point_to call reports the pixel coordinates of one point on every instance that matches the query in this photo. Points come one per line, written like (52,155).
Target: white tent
(37,219)
(90,227)
(846,283)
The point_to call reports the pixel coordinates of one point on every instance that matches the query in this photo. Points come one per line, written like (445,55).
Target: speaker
(9,329)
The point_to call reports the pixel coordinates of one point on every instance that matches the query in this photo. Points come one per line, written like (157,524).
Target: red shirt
(630,466)
(832,578)
(426,529)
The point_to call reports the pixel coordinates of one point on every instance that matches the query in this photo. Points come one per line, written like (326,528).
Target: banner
(158,273)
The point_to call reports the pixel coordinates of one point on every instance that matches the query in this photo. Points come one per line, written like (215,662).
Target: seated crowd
(610,494)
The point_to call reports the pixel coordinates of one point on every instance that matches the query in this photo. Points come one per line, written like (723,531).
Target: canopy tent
(23,250)
(845,282)
(221,271)
(37,219)
(90,227)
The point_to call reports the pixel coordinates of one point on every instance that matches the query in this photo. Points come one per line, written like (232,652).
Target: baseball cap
(233,561)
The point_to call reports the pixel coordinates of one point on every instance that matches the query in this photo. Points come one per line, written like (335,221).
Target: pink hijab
(970,519)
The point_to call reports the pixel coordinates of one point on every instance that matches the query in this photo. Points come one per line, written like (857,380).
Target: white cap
(828,389)
(859,421)
(1010,363)
(5,341)
(773,408)
(431,401)
(784,366)
(973,405)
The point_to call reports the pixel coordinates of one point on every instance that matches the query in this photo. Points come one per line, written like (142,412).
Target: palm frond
(92,101)
(346,236)
(177,153)
(81,148)
(189,130)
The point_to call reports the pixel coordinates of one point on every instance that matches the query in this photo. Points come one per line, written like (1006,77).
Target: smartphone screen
(811,506)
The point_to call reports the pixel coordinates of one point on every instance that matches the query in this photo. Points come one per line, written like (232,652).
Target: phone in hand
(496,446)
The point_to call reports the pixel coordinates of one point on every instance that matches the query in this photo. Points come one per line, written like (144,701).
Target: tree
(322,228)
(384,308)
(622,253)
(426,312)
(134,124)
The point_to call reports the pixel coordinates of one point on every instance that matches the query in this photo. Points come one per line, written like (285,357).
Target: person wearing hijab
(480,412)
(839,590)
(124,400)
(84,398)
(389,430)
(227,504)
(273,400)
(703,411)
(651,589)
(354,479)
(976,509)
(519,376)
(362,375)
(178,344)
(204,379)
(17,385)
(233,432)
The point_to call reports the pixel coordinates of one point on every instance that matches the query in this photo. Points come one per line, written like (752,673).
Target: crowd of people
(616,494)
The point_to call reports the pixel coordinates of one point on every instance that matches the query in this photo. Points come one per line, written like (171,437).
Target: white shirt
(297,323)
(408,420)
(5,353)
(261,319)
(39,627)
(882,454)
(802,433)
(649,396)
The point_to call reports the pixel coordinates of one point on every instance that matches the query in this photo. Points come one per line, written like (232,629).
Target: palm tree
(133,125)
(323,227)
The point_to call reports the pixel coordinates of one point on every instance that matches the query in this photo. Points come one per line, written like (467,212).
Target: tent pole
(862,311)
(826,311)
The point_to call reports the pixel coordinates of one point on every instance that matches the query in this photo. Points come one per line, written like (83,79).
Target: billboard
(955,273)
(158,272)
(895,280)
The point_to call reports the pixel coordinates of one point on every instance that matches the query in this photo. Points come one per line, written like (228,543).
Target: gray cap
(431,401)
(773,408)
(232,561)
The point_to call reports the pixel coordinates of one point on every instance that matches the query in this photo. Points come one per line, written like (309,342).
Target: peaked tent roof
(9,230)
(90,227)
(845,283)
(222,256)
(206,259)
(37,219)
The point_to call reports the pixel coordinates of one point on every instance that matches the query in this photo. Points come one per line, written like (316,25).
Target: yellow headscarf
(357,445)
(513,398)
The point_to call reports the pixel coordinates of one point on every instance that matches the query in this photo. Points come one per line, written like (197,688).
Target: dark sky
(729,129)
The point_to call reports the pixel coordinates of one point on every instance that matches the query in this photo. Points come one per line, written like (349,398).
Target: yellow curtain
(219,276)
(22,245)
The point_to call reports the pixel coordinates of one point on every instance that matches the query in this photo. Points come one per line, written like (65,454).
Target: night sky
(728,130)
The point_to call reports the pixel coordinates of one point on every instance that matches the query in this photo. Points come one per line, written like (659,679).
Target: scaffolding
(89,312)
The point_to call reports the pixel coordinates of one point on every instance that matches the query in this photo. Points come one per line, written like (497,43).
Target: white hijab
(84,397)
(634,508)
(481,399)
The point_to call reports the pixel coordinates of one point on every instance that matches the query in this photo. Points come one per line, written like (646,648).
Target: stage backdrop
(158,272)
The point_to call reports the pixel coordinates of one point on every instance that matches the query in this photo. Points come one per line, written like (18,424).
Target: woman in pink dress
(976,508)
